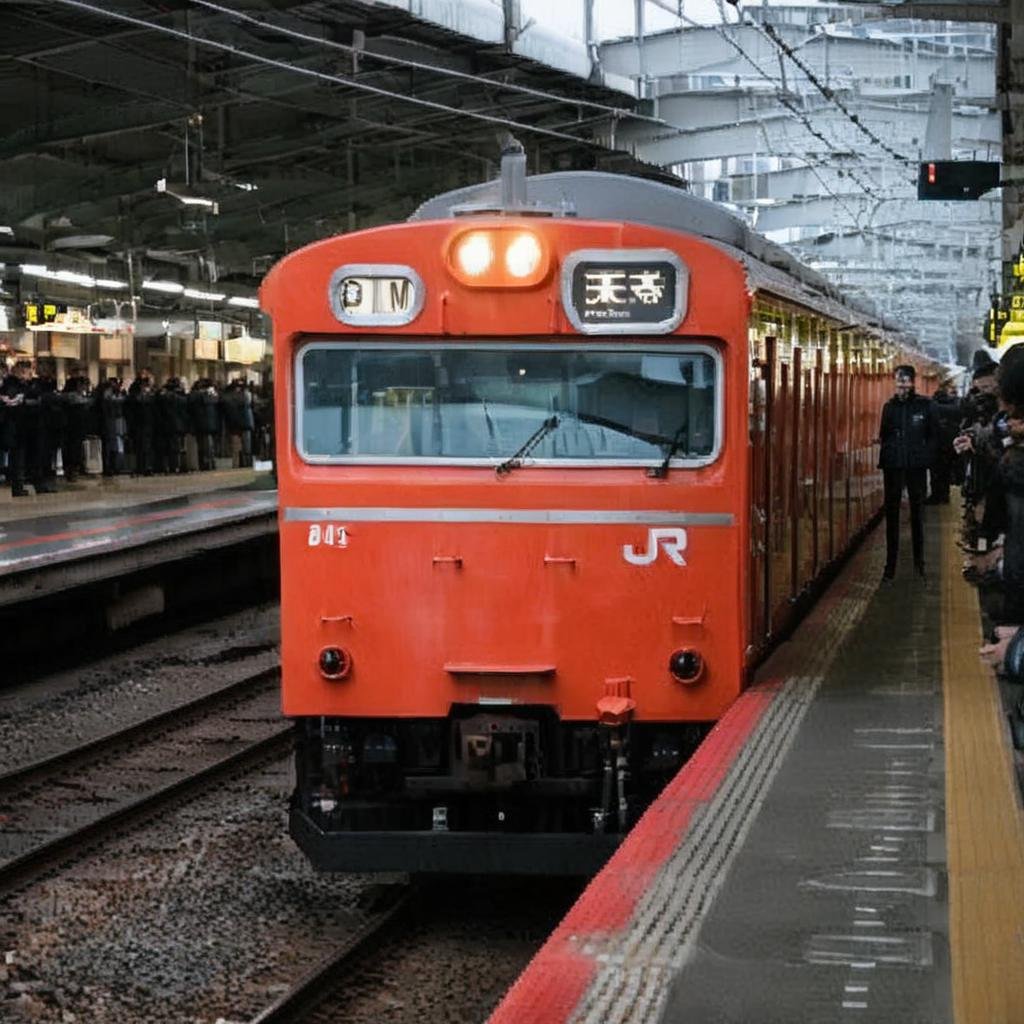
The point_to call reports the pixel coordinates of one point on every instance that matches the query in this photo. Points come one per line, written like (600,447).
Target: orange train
(558,460)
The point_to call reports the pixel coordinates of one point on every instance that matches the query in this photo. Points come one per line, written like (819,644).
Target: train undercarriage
(479,791)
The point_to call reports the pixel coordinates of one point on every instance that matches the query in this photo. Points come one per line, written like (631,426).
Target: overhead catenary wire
(319,75)
(263,23)
(391,94)
(780,93)
(827,91)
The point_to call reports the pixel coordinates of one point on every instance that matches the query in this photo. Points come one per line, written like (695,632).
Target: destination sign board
(624,291)
(375,294)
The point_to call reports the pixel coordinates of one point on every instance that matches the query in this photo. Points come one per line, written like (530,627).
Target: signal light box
(957,179)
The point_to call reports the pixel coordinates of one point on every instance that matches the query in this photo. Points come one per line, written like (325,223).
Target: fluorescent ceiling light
(171,287)
(186,198)
(192,293)
(196,201)
(241,300)
(81,241)
(72,278)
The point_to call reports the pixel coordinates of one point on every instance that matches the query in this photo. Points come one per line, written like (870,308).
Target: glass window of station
(478,403)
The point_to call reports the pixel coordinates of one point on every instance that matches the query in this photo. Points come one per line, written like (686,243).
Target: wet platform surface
(847,845)
(81,533)
(836,905)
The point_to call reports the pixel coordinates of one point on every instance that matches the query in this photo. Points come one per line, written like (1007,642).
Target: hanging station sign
(37,313)
(244,349)
(995,319)
(375,294)
(624,291)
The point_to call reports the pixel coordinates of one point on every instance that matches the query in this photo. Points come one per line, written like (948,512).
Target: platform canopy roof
(293,120)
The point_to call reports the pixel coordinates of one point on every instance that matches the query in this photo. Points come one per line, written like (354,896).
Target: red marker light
(931,174)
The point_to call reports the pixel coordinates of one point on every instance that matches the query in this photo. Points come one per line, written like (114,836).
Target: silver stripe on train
(507,515)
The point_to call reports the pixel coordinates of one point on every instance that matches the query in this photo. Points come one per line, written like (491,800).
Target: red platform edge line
(555,980)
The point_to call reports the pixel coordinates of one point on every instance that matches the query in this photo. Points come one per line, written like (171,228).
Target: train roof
(597,195)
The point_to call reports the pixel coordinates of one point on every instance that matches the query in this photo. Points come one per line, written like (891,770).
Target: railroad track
(312,990)
(438,949)
(61,806)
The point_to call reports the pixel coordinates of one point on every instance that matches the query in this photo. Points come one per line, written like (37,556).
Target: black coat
(10,415)
(172,411)
(79,408)
(1004,512)
(111,415)
(906,433)
(141,410)
(946,417)
(204,411)
(237,406)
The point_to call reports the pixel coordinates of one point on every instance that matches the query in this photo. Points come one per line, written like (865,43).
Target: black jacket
(140,407)
(10,415)
(236,403)
(79,407)
(172,411)
(204,410)
(111,414)
(906,433)
(946,417)
(1004,513)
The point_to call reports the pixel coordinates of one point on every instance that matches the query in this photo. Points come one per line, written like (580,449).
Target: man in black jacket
(905,434)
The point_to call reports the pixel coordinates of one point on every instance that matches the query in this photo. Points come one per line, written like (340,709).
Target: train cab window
(375,402)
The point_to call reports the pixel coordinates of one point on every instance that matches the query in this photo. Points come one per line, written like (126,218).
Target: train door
(817,463)
(759,563)
(795,458)
(781,477)
(775,456)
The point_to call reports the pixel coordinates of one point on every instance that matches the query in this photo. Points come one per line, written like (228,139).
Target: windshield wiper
(516,458)
(621,428)
(674,446)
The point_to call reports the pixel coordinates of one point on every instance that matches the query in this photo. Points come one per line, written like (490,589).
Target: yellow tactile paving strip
(984,818)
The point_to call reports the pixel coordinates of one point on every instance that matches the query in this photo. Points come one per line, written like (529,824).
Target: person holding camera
(905,435)
(1004,501)
(979,448)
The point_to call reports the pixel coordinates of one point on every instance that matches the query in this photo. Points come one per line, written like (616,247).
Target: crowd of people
(142,429)
(978,443)
(991,446)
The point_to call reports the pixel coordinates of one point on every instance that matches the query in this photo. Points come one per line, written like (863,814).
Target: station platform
(847,844)
(108,529)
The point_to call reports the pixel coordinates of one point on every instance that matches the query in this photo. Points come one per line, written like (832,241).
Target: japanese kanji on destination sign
(634,293)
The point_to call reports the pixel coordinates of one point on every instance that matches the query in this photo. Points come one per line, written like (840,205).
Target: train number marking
(329,535)
(671,541)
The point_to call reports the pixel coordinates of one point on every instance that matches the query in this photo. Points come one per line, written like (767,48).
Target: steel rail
(311,990)
(69,845)
(111,742)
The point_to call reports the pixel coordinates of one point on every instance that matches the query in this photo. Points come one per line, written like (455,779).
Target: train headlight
(474,253)
(498,256)
(687,666)
(334,662)
(523,255)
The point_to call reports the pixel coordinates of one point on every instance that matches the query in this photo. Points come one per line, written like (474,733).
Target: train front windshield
(374,402)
